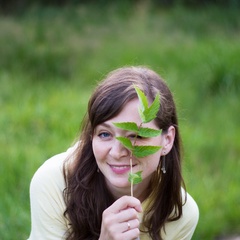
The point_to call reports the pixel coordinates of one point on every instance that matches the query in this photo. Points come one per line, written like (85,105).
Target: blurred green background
(51,58)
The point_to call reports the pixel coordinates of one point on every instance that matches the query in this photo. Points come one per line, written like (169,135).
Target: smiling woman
(113,159)
(84,192)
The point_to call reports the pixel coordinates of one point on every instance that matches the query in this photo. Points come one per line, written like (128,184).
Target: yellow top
(181,229)
(48,206)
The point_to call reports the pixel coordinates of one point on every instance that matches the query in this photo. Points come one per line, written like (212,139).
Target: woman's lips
(120,169)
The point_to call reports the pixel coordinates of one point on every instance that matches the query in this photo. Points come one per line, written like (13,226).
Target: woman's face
(113,159)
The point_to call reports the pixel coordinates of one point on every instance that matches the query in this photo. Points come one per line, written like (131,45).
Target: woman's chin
(122,186)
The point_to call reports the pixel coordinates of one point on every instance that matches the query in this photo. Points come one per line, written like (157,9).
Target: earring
(98,171)
(163,168)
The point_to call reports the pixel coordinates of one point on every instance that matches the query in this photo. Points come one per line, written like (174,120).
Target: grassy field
(52,58)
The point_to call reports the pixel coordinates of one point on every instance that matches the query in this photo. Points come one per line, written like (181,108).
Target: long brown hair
(86,193)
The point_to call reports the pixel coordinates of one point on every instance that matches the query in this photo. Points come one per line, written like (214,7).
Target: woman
(84,193)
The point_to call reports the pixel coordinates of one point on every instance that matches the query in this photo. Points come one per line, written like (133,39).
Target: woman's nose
(118,150)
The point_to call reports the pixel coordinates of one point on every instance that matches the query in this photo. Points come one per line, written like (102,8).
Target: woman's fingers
(125,230)
(130,235)
(124,209)
(131,224)
(126,202)
(120,220)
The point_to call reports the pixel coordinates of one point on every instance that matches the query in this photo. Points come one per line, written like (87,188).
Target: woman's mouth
(120,169)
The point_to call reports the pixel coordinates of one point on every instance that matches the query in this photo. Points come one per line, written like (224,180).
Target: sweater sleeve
(189,219)
(183,228)
(47,201)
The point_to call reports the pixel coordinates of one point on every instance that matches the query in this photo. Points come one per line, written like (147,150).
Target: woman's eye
(135,137)
(104,135)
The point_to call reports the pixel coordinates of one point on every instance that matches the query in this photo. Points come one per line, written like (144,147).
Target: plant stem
(131,170)
(131,164)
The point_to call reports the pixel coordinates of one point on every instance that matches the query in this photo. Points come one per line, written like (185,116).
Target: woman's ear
(168,140)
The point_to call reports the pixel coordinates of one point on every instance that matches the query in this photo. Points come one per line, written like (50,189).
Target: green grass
(52,58)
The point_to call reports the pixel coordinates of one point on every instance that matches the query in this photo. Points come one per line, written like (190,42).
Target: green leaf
(143,151)
(128,126)
(142,115)
(154,108)
(143,103)
(135,178)
(125,142)
(142,98)
(149,132)
(151,112)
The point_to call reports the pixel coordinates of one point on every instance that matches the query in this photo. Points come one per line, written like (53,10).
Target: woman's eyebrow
(104,124)
(110,126)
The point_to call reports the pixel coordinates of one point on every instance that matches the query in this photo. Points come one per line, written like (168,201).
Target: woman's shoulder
(190,208)
(47,198)
(185,226)
(51,172)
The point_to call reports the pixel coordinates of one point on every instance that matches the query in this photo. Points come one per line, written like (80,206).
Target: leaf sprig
(147,114)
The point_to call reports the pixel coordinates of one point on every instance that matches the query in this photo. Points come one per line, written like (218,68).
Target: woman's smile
(120,169)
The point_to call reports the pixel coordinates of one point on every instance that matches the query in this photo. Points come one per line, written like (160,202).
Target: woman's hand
(120,221)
